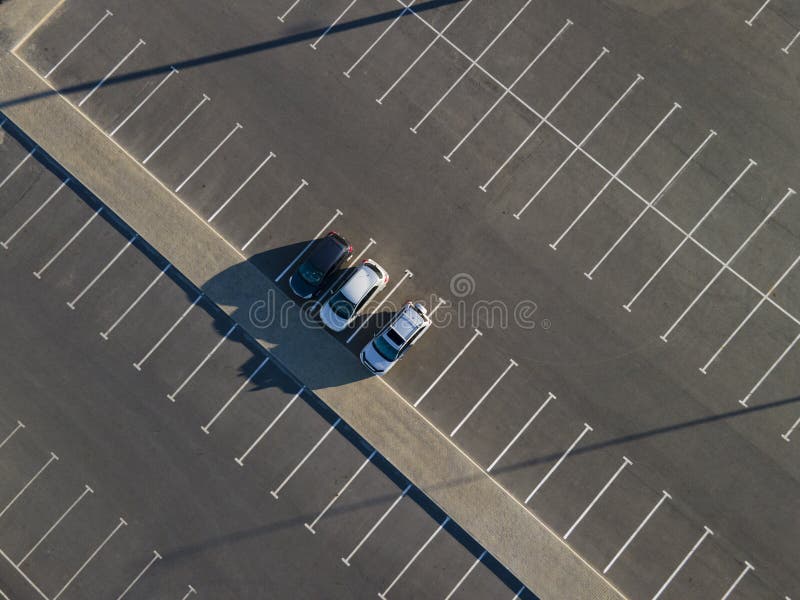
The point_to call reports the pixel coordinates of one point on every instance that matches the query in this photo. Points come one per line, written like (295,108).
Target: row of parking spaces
(781,20)
(375,522)
(63,539)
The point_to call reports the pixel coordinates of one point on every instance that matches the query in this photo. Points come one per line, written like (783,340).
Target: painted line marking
(788,46)
(507,91)
(550,396)
(274,493)
(466,71)
(441,526)
(156,556)
(625,462)
(787,436)
(664,496)
(24,575)
(579,146)
(236,128)
(425,50)
(511,364)
(303,183)
(189,593)
(38,274)
(772,367)
(30,482)
(406,275)
(269,157)
(519,593)
(336,282)
(346,559)
(288,10)
(207,427)
(19,164)
(36,212)
(589,274)
(172,71)
(107,14)
(138,365)
(335,216)
(728,262)
(750,164)
(310,526)
(475,336)
(675,106)
(542,121)
(89,286)
(747,567)
(177,127)
(752,19)
(97,86)
(17,427)
(240,460)
(86,490)
(332,25)
(379,38)
(105,334)
(467,574)
(706,533)
(586,429)
(202,362)
(122,523)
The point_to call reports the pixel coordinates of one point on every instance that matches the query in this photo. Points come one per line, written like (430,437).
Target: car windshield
(342,306)
(310,273)
(385,349)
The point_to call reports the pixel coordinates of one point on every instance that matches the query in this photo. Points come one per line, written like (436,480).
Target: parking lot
(150,449)
(620,276)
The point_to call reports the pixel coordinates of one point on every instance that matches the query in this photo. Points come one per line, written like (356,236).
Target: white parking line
(17,427)
(236,128)
(750,164)
(202,362)
(38,274)
(727,263)
(467,574)
(772,367)
(610,180)
(586,429)
(474,337)
(650,204)
(189,593)
(786,436)
(86,490)
(511,364)
(550,396)
(424,51)
(788,46)
(580,144)
(625,462)
(29,581)
(105,334)
(206,428)
(542,121)
(36,212)
(156,556)
(752,19)
(30,482)
(177,127)
(310,526)
(507,91)
(138,365)
(346,559)
(379,38)
(19,165)
(303,183)
(111,72)
(406,275)
(466,71)
(747,567)
(74,301)
(341,276)
(107,14)
(172,71)
(240,459)
(335,216)
(332,25)
(288,10)
(274,493)
(706,533)
(269,157)
(519,593)
(743,322)
(122,523)
(442,525)
(664,496)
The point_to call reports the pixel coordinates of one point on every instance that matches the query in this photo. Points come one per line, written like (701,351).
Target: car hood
(301,287)
(370,355)
(331,319)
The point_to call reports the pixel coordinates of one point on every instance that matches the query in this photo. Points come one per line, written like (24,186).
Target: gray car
(362,284)
(394,340)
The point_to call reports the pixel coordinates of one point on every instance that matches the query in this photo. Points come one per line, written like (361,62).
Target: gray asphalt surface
(724,464)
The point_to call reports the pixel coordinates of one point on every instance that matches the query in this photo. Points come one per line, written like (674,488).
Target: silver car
(396,338)
(361,285)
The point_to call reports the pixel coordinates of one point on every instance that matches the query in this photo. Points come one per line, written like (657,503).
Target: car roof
(327,251)
(408,322)
(359,283)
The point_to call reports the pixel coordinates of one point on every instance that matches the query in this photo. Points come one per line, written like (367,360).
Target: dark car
(325,257)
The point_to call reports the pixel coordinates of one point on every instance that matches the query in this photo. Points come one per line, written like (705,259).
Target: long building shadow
(216,57)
